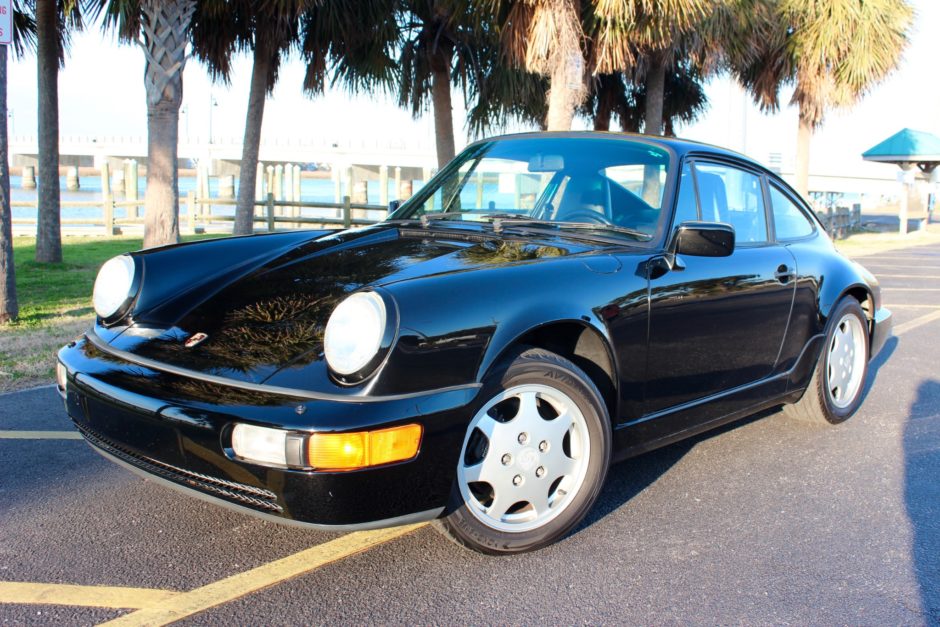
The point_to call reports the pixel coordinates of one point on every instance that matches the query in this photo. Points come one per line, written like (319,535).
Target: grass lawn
(55,305)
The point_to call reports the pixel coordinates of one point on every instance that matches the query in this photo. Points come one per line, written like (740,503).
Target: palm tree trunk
(565,93)
(443,112)
(48,229)
(8,305)
(164,25)
(655,91)
(605,102)
(260,78)
(803,136)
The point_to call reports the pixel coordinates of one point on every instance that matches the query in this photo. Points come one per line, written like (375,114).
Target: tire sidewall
(542,368)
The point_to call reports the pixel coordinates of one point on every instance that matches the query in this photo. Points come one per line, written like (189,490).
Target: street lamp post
(212,104)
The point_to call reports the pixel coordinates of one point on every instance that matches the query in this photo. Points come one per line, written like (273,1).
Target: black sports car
(547,304)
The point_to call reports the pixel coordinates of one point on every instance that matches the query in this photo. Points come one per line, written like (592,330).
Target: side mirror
(704,239)
(393,206)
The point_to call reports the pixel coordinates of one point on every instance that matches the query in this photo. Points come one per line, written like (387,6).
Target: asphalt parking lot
(766,521)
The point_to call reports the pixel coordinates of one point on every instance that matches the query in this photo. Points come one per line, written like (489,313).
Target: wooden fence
(198,216)
(840,222)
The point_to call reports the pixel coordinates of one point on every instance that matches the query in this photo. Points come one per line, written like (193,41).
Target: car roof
(680,147)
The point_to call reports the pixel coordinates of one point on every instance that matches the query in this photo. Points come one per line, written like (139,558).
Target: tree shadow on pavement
(922,492)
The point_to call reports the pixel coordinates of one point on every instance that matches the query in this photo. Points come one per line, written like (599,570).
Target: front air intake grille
(250,496)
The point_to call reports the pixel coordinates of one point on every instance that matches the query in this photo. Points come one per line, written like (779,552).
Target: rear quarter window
(789,220)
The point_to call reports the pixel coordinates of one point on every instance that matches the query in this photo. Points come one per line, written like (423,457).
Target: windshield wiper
(427,218)
(501,220)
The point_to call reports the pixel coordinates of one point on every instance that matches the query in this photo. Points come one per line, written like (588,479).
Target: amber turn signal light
(360,449)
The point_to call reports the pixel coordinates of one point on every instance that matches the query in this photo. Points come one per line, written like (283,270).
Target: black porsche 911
(546,305)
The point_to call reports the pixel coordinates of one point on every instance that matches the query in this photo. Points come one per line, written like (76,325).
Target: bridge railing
(199,216)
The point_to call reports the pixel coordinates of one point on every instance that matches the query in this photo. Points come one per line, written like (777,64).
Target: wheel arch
(577,340)
(863,294)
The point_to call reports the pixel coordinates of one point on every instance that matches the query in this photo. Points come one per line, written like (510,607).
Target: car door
(717,323)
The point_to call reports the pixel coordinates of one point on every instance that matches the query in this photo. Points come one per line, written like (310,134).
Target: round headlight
(113,285)
(354,332)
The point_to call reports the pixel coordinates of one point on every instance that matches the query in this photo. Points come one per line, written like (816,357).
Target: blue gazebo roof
(906,146)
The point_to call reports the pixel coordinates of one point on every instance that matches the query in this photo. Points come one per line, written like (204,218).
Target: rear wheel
(533,459)
(835,391)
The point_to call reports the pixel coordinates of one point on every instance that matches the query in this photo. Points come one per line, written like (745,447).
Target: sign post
(6,22)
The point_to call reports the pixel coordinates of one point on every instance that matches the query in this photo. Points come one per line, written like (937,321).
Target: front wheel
(835,391)
(533,460)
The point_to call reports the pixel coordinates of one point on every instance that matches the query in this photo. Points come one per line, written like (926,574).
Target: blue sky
(101,94)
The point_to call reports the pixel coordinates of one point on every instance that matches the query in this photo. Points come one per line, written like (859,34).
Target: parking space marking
(84,596)
(917,322)
(909,276)
(40,435)
(231,588)
(876,259)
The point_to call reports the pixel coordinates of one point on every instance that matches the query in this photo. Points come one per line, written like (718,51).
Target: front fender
(454,328)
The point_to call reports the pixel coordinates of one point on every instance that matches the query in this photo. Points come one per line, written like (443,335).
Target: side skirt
(719,409)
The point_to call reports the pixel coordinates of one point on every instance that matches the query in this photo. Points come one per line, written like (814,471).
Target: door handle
(784,273)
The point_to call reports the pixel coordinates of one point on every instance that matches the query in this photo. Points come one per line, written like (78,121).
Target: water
(311,190)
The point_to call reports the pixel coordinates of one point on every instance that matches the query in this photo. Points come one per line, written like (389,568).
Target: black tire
(817,404)
(537,367)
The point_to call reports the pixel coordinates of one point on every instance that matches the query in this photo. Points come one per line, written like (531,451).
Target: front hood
(274,315)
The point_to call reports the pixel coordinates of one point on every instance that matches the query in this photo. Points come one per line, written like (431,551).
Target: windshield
(565,181)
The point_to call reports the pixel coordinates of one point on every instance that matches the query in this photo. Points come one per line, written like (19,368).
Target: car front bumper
(174,430)
(881,330)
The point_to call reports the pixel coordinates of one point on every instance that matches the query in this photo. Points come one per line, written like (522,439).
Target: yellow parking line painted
(909,306)
(889,264)
(40,435)
(84,596)
(917,322)
(877,258)
(236,586)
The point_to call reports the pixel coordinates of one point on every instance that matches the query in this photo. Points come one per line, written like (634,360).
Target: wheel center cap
(528,457)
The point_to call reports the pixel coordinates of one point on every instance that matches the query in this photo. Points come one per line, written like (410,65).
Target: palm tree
(351,40)
(569,42)
(442,41)
(546,37)
(833,53)
(684,99)
(501,93)
(24,35)
(9,309)
(221,29)
(54,19)
(841,49)
(161,28)
(647,37)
